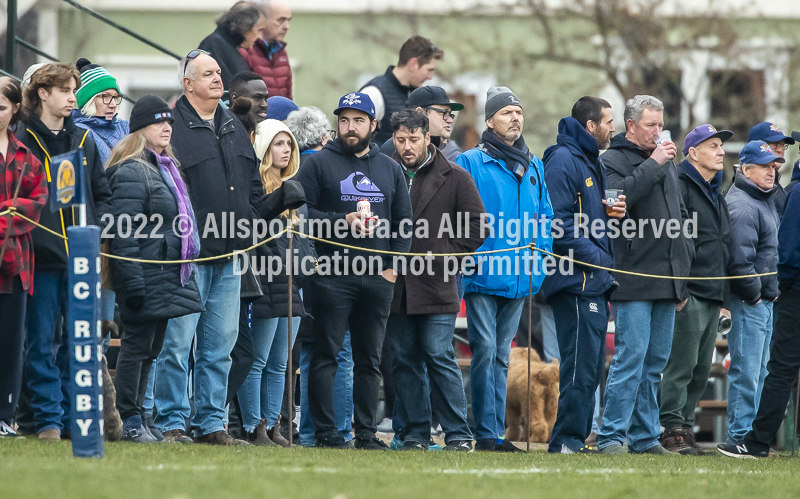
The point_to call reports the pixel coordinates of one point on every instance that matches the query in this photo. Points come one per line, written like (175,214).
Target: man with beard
(356,286)
(696,325)
(425,305)
(576,179)
(510,180)
(249,85)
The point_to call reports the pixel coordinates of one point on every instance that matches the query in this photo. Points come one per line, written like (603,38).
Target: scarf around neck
(517,157)
(190,243)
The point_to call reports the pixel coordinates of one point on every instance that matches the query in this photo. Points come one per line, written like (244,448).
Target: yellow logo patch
(65,184)
(589,182)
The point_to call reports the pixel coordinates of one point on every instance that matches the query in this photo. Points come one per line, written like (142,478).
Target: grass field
(30,469)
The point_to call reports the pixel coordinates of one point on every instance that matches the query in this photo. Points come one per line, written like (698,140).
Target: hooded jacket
(221,175)
(789,243)
(334,180)
(653,198)
(754,240)
(223,45)
(272,65)
(576,181)
(711,246)
(518,199)
(795,179)
(440,192)
(51,251)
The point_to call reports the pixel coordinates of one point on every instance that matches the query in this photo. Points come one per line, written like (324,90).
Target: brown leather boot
(260,437)
(220,437)
(112,422)
(275,435)
(52,435)
(674,440)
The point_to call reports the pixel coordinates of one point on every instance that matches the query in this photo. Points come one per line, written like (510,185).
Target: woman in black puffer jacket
(261,394)
(148,195)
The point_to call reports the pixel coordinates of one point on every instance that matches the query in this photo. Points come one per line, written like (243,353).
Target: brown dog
(544,397)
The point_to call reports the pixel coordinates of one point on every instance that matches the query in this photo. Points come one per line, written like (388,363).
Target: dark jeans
(581,325)
(686,375)
(782,370)
(243,354)
(46,311)
(361,303)
(141,343)
(420,341)
(12,336)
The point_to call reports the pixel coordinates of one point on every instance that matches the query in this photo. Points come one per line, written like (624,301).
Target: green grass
(37,470)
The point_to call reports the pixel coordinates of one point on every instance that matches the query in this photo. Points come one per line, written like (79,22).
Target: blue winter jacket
(576,180)
(789,243)
(517,201)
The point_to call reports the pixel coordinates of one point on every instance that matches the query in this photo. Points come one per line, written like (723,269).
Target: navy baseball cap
(358,101)
(703,133)
(758,152)
(796,136)
(768,132)
(431,96)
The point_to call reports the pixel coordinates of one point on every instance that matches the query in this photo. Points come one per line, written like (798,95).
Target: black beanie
(148,110)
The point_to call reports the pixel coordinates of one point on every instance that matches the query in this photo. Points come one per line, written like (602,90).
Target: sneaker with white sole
(6,430)
(385,426)
(740,451)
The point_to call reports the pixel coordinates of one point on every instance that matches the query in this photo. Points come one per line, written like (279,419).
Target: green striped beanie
(94,79)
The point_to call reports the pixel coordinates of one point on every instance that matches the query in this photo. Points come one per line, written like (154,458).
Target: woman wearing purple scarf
(153,220)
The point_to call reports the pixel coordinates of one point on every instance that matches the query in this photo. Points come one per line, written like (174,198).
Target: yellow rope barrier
(12,211)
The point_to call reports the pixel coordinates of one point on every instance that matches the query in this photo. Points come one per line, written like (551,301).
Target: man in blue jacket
(510,180)
(785,356)
(576,179)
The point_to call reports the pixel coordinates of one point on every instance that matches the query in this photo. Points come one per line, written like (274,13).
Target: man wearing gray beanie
(510,181)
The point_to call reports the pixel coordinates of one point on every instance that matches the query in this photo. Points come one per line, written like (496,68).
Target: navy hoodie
(576,179)
(789,242)
(334,181)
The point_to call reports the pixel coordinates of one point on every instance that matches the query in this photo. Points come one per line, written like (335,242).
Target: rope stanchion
(530,327)
(290,395)
(794,425)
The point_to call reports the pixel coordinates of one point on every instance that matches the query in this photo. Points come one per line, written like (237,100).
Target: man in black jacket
(696,325)
(353,288)
(576,179)
(222,178)
(48,132)
(389,91)
(425,304)
(654,241)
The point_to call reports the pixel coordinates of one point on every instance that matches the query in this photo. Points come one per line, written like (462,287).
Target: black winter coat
(50,251)
(275,302)
(713,235)
(652,195)
(221,174)
(223,45)
(754,240)
(138,188)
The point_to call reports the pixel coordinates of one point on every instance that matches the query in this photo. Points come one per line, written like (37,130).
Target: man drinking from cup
(644,308)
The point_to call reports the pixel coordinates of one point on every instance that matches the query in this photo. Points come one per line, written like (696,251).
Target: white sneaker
(6,430)
(385,426)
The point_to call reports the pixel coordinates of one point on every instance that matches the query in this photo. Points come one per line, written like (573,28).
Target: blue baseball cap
(758,152)
(768,132)
(358,101)
(703,133)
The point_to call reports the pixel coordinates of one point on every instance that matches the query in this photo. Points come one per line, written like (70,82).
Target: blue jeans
(216,330)
(420,342)
(748,341)
(46,316)
(643,340)
(261,393)
(148,394)
(492,322)
(342,394)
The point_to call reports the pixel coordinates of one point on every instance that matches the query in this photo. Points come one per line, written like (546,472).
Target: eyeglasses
(107,98)
(332,134)
(446,114)
(191,55)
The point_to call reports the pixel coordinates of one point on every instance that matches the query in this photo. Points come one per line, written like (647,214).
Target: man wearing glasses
(434,102)
(221,173)
(389,91)
(778,142)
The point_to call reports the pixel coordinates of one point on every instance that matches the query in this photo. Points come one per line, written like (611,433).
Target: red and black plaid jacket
(18,258)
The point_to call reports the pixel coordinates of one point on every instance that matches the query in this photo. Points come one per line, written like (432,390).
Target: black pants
(12,339)
(363,303)
(140,346)
(387,373)
(242,356)
(783,366)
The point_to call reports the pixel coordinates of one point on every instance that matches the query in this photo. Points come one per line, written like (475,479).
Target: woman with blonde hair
(147,189)
(261,394)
